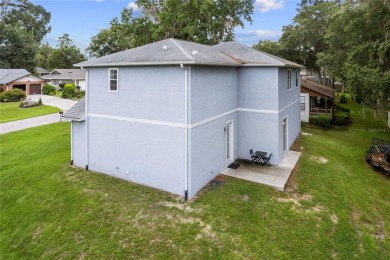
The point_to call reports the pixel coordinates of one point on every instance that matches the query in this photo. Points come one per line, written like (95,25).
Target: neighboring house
(21,79)
(174,114)
(316,99)
(74,76)
(41,71)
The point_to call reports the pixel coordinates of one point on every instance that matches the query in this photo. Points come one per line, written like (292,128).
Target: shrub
(69,91)
(343,99)
(80,94)
(344,108)
(52,93)
(61,86)
(340,118)
(47,89)
(321,120)
(12,95)
(39,102)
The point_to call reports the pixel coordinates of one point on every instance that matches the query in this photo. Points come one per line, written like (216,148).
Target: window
(303,103)
(113,80)
(297,78)
(288,79)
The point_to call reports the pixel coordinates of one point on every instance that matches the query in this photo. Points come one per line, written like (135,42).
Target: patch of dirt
(205,229)
(334,219)
(297,144)
(245,197)
(37,232)
(334,254)
(296,198)
(355,218)
(180,206)
(82,255)
(319,159)
(381,232)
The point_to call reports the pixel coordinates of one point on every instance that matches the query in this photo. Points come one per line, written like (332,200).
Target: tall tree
(42,56)
(305,38)
(208,22)
(33,18)
(66,54)
(268,46)
(17,48)
(202,21)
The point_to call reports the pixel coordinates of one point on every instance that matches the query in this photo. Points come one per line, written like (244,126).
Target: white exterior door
(229,143)
(285,137)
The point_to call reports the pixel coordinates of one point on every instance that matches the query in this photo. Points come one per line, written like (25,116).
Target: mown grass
(336,206)
(11,111)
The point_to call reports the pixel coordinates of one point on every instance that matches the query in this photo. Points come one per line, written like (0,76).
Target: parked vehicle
(379,154)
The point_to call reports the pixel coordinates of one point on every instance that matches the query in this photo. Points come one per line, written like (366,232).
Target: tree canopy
(348,40)
(202,21)
(65,55)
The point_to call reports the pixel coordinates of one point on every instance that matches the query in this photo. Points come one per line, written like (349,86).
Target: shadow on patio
(275,176)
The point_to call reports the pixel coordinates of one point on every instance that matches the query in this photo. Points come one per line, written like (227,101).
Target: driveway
(61,103)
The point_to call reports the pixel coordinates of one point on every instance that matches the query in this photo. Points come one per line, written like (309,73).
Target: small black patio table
(261,155)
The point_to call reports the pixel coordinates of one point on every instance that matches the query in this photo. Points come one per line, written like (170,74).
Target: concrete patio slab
(275,176)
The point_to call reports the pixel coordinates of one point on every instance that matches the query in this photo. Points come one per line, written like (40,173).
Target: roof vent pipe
(165,47)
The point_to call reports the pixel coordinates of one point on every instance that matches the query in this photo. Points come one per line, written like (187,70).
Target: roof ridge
(181,49)
(262,52)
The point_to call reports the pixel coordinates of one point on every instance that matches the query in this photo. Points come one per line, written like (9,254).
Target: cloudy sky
(83,19)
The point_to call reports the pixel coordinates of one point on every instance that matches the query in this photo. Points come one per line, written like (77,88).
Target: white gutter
(86,121)
(185,130)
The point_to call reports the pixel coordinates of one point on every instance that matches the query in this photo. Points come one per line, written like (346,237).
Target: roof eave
(165,63)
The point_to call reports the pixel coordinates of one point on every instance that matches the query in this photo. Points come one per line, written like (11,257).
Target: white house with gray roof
(73,76)
(174,114)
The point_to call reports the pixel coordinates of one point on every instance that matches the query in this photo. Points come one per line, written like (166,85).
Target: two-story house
(173,114)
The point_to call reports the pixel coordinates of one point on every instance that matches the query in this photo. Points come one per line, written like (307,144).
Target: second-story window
(296,78)
(113,80)
(288,79)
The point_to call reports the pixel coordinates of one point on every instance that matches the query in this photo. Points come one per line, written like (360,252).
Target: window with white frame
(113,80)
(296,78)
(303,103)
(288,79)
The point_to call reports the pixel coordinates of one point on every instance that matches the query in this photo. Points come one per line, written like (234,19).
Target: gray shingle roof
(70,74)
(317,87)
(249,56)
(41,70)
(174,51)
(9,75)
(77,112)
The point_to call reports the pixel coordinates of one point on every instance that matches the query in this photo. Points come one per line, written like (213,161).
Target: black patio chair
(266,160)
(254,157)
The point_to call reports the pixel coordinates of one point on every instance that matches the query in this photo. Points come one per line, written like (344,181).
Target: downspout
(86,121)
(71,143)
(185,131)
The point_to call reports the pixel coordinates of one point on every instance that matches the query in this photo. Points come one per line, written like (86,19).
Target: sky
(82,19)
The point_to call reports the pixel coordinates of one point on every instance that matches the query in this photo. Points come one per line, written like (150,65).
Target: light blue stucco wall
(153,154)
(258,88)
(214,91)
(146,154)
(154,93)
(287,97)
(78,143)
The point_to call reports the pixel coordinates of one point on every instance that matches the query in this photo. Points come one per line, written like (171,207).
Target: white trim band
(138,120)
(182,125)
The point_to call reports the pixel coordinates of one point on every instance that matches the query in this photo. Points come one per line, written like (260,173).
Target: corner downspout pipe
(86,121)
(185,131)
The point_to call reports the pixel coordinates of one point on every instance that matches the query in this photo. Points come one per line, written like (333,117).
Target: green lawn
(336,206)
(11,111)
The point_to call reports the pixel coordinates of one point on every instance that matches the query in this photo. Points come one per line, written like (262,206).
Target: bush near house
(343,99)
(49,90)
(12,95)
(69,91)
(323,121)
(340,118)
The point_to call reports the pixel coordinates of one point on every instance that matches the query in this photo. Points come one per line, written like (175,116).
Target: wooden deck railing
(320,111)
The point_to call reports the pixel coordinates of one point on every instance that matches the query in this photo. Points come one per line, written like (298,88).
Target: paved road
(29,122)
(63,104)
